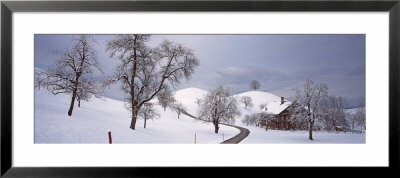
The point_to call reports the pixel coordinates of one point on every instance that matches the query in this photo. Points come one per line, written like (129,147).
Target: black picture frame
(8,7)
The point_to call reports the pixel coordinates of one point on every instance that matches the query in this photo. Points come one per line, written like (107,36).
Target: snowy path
(236,139)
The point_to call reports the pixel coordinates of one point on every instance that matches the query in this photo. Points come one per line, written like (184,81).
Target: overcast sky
(279,62)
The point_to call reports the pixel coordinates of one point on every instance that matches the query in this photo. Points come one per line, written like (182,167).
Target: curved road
(234,140)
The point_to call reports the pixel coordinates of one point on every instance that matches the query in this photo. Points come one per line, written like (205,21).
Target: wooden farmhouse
(281,113)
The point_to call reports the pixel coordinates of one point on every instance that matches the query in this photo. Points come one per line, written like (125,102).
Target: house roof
(276,107)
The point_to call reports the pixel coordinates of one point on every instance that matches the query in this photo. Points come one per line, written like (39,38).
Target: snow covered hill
(258,98)
(188,97)
(354,110)
(90,122)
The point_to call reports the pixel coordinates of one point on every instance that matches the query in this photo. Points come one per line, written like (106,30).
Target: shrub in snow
(247,101)
(147,112)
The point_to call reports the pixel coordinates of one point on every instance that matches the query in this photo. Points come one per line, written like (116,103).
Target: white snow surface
(90,122)
(259,97)
(354,110)
(276,107)
(188,97)
(259,135)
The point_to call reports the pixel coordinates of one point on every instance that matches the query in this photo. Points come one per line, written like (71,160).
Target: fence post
(195,138)
(109,137)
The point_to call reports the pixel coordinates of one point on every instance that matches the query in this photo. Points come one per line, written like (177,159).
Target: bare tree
(40,79)
(360,117)
(147,112)
(71,71)
(298,118)
(178,108)
(254,84)
(144,72)
(165,98)
(198,102)
(267,117)
(262,105)
(257,118)
(87,89)
(247,101)
(333,114)
(251,119)
(311,96)
(219,106)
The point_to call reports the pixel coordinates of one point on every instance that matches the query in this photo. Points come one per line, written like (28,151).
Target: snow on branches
(143,71)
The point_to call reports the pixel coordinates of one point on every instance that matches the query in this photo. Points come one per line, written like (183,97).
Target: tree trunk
(133,122)
(216,128)
(79,103)
(71,107)
(310,131)
(145,122)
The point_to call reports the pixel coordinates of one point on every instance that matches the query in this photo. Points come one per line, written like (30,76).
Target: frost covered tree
(144,71)
(165,98)
(333,114)
(299,118)
(218,106)
(251,119)
(87,89)
(40,79)
(267,117)
(147,112)
(262,105)
(178,108)
(311,97)
(247,101)
(198,102)
(257,118)
(72,69)
(254,84)
(360,118)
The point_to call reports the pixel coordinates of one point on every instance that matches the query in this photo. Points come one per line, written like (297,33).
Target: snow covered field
(90,123)
(260,135)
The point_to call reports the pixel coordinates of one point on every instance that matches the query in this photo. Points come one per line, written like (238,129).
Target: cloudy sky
(279,62)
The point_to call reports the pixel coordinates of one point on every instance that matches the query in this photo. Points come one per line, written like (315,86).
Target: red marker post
(109,137)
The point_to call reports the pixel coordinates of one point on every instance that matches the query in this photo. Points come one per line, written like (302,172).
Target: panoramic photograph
(199,89)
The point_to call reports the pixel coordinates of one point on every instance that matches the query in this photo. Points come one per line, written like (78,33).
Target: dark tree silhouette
(255,85)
